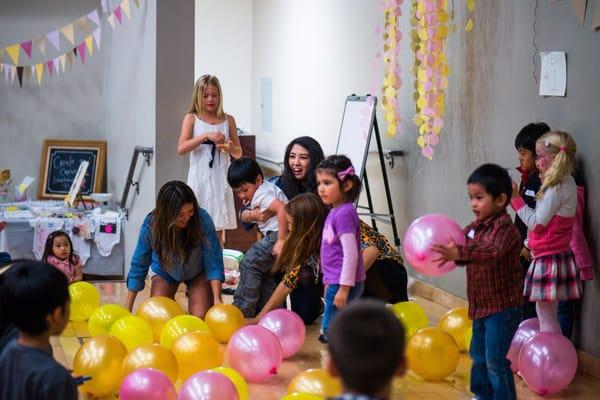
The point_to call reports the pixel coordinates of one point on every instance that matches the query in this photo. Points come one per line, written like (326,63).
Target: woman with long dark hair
(179,243)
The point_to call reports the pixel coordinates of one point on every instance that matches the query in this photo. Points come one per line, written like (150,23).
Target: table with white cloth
(17,239)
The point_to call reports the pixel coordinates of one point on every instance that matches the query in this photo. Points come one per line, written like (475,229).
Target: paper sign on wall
(553,73)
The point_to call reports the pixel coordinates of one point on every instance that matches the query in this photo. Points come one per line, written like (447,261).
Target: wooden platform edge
(587,363)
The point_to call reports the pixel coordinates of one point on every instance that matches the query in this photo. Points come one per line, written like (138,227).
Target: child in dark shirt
(34,296)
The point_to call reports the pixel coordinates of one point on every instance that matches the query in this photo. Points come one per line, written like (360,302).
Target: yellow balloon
(196,351)
(179,325)
(237,379)
(101,358)
(158,311)
(132,331)
(104,316)
(456,322)
(152,356)
(468,337)
(412,316)
(302,396)
(315,381)
(432,354)
(223,320)
(85,298)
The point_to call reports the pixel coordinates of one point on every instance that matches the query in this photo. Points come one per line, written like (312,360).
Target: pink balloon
(147,384)
(288,327)
(208,385)
(524,332)
(421,234)
(255,353)
(548,362)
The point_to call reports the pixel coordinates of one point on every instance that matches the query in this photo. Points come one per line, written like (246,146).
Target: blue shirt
(206,256)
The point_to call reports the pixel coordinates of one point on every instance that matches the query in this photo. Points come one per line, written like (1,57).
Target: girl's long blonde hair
(562,146)
(308,216)
(197,106)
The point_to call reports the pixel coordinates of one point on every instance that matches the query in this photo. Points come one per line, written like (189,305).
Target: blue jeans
(330,308)
(491,377)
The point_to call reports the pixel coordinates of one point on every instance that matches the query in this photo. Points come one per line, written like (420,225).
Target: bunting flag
(26,46)
(56,66)
(83,24)
(6,72)
(69,56)
(81,51)
(97,37)
(20,76)
(50,66)
(470,12)
(117,14)
(125,8)
(111,21)
(62,59)
(137,3)
(54,39)
(67,32)
(40,44)
(13,72)
(579,8)
(89,43)
(93,16)
(39,71)
(13,53)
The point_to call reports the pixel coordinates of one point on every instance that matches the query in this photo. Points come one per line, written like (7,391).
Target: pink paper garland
(392,81)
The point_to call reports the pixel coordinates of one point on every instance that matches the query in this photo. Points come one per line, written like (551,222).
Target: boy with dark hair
(528,188)
(256,280)
(35,297)
(494,280)
(366,347)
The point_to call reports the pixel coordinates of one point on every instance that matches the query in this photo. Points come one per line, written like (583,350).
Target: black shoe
(230,291)
(322,339)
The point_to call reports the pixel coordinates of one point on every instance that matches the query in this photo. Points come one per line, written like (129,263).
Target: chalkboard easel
(60,161)
(359,123)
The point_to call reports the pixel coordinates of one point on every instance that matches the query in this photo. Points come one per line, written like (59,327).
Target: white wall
(223,33)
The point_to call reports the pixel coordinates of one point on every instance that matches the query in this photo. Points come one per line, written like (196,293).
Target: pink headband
(347,172)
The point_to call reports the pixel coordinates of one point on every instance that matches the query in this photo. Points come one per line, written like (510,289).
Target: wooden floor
(313,355)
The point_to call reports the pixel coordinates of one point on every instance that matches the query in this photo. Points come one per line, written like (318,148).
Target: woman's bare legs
(200,296)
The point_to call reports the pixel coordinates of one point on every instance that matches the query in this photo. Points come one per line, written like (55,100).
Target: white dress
(210,184)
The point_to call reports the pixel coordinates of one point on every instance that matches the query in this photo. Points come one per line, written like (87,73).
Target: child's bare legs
(200,296)
(547,315)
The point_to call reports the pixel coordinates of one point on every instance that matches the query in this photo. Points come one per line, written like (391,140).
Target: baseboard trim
(587,363)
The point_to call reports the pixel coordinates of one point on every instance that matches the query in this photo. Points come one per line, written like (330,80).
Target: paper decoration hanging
(57,63)
(392,81)
(430,27)
(470,11)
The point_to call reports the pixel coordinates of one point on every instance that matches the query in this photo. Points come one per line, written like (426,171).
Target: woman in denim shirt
(179,243)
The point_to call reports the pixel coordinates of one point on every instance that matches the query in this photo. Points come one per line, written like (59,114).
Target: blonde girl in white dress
(210,136)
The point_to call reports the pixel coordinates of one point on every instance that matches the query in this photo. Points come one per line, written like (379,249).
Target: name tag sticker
(529,193)
(471,234)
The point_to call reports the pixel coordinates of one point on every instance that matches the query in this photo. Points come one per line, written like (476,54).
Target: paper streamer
(392,81)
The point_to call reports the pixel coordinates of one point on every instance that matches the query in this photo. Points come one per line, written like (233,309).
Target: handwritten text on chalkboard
(63,164)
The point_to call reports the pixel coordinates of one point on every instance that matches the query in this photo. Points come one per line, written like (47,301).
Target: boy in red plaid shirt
(494,280)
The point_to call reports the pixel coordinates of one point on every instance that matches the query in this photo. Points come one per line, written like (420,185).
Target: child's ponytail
(562,146)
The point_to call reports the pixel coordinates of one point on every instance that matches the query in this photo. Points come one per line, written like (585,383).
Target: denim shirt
(206,256)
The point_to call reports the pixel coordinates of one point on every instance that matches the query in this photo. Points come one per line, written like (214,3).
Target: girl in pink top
(58,252)
(553,275)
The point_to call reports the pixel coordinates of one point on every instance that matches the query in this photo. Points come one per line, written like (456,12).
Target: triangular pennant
(93,16)
(89,43)
(6,72)
(81,50)
(63,59)
(1,68)
(97,37)
(579,8)
(54,39)
(13,72)
(111,21)
(56,65)
(75,51)
(117,13)
(20,75)
(69,56)
(26,46)
(39,71)
(83,24)
(32,69)
(40,44)
(13,53)
(137,3)
(125,7)
(67,32)
(50,66)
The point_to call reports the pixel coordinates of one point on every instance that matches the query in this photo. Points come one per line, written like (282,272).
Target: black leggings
(386,280)
(306,298)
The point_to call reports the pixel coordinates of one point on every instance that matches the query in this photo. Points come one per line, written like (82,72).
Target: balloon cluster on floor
(149,354)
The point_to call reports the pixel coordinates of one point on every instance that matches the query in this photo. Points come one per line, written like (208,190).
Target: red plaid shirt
(494,273)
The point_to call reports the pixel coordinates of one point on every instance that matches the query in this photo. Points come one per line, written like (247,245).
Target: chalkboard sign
(59,164)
